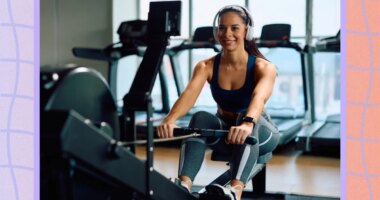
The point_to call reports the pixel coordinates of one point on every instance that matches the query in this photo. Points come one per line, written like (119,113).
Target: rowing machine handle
(210,133)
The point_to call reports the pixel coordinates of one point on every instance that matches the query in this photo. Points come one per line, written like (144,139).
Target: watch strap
(249,119)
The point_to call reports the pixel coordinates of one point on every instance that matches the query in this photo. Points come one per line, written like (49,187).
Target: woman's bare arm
(265,75)
(186,101)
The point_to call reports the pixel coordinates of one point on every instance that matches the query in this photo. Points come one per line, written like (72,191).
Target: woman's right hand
(165,130)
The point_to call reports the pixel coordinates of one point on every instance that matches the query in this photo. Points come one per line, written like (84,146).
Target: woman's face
(231,31)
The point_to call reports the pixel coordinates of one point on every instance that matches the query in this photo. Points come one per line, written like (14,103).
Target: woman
(241,81)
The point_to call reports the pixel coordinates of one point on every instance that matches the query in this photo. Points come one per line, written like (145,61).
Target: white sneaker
(185,186)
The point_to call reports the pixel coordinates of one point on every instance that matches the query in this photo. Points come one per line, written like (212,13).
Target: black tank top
(233,100)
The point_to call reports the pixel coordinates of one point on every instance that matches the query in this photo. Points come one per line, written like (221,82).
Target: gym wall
(74,23)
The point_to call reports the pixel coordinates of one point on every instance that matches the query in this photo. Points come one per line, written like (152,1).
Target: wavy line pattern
(363,100)
(16,100)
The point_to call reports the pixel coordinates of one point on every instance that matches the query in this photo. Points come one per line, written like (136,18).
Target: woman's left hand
(238,134)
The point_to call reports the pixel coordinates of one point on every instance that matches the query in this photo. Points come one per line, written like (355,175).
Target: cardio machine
(323,137)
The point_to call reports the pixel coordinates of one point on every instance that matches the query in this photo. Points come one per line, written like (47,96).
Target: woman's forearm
(256,107)
(184,103)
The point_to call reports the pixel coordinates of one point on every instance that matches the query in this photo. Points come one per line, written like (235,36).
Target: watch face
(249,119)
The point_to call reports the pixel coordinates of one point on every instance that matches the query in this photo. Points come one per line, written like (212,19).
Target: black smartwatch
(250,120)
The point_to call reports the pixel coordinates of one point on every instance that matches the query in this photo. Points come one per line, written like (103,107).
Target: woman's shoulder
(206,63)
(205,67)
(264,65)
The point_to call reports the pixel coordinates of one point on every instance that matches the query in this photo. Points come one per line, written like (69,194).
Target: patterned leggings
(243,158)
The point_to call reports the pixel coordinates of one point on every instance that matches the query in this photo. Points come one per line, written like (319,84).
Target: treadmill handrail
(329,44)
(106,54)
(279,43)
(90,53)
(193,45)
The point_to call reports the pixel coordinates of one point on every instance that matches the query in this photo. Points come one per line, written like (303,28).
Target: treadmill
(323,137)
(287,107)
(133,36)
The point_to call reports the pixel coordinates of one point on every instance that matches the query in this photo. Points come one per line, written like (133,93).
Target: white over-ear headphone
(249,35)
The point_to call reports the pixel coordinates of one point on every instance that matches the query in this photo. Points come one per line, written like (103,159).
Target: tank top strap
(250,69)
(216,69)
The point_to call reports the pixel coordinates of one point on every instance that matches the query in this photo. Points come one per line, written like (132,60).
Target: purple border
(343,100)
(37,99)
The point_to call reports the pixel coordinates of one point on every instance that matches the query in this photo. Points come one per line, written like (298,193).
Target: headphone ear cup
(215,28)
(215,32)
(249,35)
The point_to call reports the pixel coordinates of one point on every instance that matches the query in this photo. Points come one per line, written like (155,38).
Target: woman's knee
(204,119)
(268,141)
(196,140)
(268,136)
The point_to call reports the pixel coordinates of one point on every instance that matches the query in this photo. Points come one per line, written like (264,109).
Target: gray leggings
(242,157)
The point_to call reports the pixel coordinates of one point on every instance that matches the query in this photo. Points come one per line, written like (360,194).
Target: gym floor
(289,171)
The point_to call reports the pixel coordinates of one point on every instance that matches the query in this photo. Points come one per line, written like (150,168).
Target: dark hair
(252,49)
(249,45)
